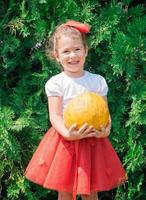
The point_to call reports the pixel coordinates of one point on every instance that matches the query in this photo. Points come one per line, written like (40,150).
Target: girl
(74,161)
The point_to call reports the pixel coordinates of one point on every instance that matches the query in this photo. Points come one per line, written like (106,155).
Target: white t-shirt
(68,87)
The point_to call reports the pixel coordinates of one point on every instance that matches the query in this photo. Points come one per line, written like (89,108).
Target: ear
(56,56)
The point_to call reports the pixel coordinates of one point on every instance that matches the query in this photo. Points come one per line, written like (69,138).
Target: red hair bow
(83,28)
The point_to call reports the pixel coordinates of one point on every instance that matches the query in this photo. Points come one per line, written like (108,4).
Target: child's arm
(55,113)
(105,132)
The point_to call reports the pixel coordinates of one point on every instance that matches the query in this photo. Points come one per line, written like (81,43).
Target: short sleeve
(53,88)
(103,89)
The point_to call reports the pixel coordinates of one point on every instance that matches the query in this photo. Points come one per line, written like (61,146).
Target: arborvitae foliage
(117,50)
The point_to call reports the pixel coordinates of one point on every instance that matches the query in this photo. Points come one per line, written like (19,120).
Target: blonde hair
(63,29)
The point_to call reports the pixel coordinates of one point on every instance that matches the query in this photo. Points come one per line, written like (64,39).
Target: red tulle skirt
(80,167)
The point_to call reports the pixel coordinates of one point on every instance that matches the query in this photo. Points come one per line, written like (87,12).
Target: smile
(73,63)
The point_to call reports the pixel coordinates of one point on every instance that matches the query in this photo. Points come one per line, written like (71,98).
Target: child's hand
(104,132)
(83,132)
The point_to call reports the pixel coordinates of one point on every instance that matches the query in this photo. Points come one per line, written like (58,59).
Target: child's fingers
(92,134)
(105,129)
(85,130)
(73,127)
(108,127)
(103,133)
(90,129)
(102,129)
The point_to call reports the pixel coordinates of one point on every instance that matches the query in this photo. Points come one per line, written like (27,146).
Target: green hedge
(117,44)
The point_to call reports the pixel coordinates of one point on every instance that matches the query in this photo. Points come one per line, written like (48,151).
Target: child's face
(71,54)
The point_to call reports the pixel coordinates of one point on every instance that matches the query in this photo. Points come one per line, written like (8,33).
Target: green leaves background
(117,50)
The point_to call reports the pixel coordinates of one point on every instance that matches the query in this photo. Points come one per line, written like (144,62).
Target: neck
(74,74)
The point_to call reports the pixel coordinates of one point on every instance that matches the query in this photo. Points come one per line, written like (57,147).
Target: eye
(77,50)
(65,52)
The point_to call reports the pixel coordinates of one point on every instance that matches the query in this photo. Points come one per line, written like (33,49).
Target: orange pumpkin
(87,108)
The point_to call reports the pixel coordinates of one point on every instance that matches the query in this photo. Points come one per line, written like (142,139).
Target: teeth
(72,63)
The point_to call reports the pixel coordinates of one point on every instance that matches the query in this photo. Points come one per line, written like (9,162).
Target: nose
(72,54)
